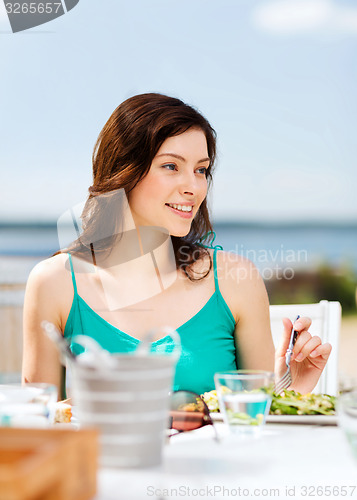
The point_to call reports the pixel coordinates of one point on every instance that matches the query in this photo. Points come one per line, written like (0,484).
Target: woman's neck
(139,265)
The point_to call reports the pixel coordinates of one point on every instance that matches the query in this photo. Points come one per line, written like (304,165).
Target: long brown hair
(123,154)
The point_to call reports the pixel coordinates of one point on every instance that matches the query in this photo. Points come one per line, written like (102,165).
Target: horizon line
(347,222)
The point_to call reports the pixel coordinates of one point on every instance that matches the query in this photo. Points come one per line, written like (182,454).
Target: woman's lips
(184,215)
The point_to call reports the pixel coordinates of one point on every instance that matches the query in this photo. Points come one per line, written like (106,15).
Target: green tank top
(207,339)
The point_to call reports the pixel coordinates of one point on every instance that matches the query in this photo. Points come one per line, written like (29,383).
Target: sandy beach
(348,352)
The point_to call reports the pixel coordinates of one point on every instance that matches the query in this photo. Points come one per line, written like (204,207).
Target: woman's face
(171,193)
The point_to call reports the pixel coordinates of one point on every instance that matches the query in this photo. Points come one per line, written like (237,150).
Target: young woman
(140,262)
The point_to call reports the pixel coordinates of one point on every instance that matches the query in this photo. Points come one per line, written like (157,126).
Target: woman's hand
(308,359)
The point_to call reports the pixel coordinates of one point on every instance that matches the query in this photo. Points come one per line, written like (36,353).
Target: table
(287,461)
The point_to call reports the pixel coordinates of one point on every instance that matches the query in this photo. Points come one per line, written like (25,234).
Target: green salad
(294,403)
(288,403)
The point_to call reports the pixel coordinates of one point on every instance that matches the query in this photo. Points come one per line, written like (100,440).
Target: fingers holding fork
(308,357)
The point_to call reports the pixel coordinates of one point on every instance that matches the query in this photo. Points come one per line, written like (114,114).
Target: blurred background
(277,81)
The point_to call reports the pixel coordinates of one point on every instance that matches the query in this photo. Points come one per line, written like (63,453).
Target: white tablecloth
(287,461)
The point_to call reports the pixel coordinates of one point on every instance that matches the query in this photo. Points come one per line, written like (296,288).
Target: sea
(273,247)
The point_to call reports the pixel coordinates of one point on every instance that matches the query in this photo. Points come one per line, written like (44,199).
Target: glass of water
(27,405)
(244,399)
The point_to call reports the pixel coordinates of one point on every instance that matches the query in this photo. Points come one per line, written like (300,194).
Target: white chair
(326,323)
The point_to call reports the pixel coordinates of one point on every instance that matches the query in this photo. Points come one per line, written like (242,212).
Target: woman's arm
(42,302)
(255,350)
(246,295)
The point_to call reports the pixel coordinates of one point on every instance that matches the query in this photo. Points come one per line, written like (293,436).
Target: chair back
(326,323)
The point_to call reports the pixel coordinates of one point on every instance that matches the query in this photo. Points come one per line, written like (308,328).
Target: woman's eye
(202,170)
(170,166)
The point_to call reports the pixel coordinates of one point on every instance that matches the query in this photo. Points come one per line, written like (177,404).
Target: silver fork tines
(284,382)
(286,379)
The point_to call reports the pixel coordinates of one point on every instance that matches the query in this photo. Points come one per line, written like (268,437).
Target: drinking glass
(28,405)
(244,399)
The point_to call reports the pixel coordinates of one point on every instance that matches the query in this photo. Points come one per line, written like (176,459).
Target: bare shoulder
(49,293)
(50,282)
(240,282)
(49,270)
(234,269)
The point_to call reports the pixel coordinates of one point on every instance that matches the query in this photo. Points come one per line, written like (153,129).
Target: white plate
(302,419)
(290,419)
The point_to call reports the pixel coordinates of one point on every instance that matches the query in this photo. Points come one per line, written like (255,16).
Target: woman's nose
(188,182)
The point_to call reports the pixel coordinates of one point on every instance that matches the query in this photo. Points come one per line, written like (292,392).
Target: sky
(277,79)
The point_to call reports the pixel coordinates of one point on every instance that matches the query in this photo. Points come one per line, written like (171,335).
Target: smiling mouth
(186,209)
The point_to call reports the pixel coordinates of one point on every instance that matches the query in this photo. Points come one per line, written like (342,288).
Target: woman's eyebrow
(181,157)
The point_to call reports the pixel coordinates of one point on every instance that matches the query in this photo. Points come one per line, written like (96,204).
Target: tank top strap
(73,275)
(204,237)
(216,286)
(215,248)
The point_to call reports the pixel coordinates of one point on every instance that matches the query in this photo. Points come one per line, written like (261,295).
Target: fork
(286,379)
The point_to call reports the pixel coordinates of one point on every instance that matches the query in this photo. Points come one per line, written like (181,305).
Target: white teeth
(183,208)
